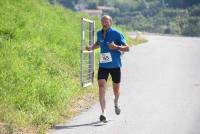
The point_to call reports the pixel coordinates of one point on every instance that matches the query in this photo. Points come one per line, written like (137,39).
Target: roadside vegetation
(39,66)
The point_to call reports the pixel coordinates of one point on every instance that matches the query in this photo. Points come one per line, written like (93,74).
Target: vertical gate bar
(81,55)
(93,51)
(90,54)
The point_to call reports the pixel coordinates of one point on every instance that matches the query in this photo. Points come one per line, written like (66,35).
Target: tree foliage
(163,16)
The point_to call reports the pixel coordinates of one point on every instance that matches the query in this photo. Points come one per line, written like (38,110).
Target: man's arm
(123,48)
(95,46)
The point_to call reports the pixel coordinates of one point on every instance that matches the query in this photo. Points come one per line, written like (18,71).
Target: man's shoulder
(99,31)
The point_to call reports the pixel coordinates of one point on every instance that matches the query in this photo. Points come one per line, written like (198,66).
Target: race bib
(105,57)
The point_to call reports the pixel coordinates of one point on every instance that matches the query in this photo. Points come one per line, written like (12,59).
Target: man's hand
(92,47)
(124,48)
(88,48)
(113,46)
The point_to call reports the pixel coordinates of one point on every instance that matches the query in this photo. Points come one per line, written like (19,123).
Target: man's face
(106,23)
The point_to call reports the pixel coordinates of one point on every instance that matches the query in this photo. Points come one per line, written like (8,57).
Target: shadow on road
(95,124)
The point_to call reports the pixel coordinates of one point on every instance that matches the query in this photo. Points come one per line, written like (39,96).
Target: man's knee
(116,85)
(102,83)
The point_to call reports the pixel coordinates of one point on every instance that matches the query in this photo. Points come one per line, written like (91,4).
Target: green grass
(39,63)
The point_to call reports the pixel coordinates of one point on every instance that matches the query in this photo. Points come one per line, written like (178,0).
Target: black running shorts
(115,73)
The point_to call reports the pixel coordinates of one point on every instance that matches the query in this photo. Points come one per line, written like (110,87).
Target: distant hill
(180,17)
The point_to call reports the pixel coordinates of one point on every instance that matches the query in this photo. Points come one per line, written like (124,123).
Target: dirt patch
(79,104)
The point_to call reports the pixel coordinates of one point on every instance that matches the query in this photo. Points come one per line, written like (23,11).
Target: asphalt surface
(160,92)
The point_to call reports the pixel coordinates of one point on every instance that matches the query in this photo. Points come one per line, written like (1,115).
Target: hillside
(39,61)
(39,64)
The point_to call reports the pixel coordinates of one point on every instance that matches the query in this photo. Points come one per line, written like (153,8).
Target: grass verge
(39,66)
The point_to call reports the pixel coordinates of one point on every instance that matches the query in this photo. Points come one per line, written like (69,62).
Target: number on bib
(105,57)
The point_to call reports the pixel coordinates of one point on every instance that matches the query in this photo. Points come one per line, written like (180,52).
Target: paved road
(160,92)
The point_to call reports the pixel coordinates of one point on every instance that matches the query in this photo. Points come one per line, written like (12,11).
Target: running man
(111,42)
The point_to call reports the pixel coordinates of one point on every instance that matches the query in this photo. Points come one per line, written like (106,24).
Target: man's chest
(105,40)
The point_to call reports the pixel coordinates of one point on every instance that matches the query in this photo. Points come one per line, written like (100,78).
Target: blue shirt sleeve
(98,40)
(121,39)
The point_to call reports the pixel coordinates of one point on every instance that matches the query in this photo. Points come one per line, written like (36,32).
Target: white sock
(104,114)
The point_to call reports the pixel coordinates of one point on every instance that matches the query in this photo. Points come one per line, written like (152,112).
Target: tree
(181,3)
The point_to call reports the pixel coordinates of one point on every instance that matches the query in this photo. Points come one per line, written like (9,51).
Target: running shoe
(117,110)
(102,118)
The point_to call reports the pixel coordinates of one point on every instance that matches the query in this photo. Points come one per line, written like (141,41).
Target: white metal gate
(87,57)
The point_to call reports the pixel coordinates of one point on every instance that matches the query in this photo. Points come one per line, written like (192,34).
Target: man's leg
(116,91)
(116,78)
(102,78)
(102,92)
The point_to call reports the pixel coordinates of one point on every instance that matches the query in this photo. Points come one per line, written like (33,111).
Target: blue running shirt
(115,36)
